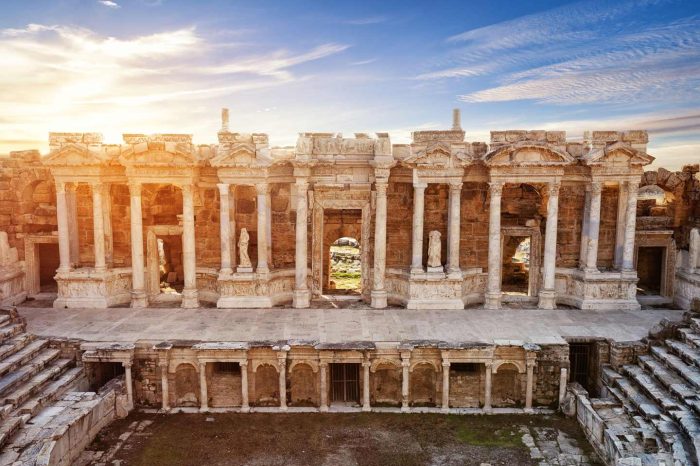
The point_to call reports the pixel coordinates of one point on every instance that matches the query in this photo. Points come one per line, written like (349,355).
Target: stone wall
(206,228)
(569,225)
(283,226)
(121,225)
(550,360)
(608,226)
(474,226)
(399,218)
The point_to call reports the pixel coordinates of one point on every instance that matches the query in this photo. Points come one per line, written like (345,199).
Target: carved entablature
(158,150)
(81,157)
(443,135)
(617,154)
(74,154)
(325,146)
(438,155)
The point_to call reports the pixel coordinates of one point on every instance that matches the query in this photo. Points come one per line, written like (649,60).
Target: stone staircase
(32,376)
(653,406)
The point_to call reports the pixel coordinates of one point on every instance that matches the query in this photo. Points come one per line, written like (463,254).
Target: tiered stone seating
(661,395)
(32,375)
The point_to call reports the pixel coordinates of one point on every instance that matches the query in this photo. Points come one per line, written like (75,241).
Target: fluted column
(129,384)
(493,293)
(165,401)
(323,370)
(245,404)
(487,387)
(547,293)
(529,385)
(98,227)
(379,294)
(301,297)
(405,381)
(63,230)
(630,226)
(261,189)
(138,292)
(454,230)
(594,227)
(73,233)
(365,385)
(445,385)
(418,213)
(225,228)
(189,259)
(203,392)
(282,364)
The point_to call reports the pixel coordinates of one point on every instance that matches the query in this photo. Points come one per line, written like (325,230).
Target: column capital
(496,188)
(223,187)
(262,188)
(553,188)
(71,187)
(163,364)
(60,187)
(596,187)
(243,364)
(382,173)
(134,188)
(488,364)
(420,185)
(381,188)
(127,364)
(302,183)
(456,185)
(96,185)
(186,188)
(405,363)
(530,363)
(632,186)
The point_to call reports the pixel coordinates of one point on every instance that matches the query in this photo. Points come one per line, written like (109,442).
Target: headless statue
(243,240)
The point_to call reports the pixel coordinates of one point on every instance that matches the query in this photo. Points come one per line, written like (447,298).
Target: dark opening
(650,269)
(580,355)
(227,368)
(516,265)
(345,383)
(48,263)
(465,368)
(103,372)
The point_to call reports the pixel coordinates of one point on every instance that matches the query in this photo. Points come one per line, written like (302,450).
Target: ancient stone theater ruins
(516,275)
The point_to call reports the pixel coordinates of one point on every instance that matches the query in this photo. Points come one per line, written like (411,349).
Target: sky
(149,66)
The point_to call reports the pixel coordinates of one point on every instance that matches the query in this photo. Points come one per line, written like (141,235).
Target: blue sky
(118,66)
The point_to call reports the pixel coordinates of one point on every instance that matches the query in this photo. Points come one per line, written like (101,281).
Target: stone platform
(340,325)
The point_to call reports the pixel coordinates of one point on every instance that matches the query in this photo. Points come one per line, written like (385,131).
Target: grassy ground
(335,439)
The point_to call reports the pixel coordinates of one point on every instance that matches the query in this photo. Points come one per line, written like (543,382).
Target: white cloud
(109,3)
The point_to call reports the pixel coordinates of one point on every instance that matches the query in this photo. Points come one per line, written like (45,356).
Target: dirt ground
(338,439)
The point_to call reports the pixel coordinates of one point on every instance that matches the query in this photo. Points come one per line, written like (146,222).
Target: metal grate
(345,383)
(579,357)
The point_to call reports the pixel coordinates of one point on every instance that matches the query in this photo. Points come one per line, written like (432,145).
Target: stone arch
(436,366)
(312,364)
(186,385)
(507,385)
(383,362)
(519,365)
(423,384)
(385,383)
(266,391)
(303,387)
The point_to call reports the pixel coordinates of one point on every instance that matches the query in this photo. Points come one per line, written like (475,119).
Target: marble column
(165,395)
(563,379)
(454,214)
(445,385)
(493,292)
(225,228)
(301,297)
(405,382)
(583,249)
(323,369)
(107,222)
(98,227)
(190,297)
(547,293)
(282,365)
(261,189)
(379,294)
(487,387)
(245,404)
(203,392)
(63,230)
(138,291)
(621,222)
(365,386)
(594,227)
(418,213)
(529,385)
(74,234)
(630,227)
(129,384)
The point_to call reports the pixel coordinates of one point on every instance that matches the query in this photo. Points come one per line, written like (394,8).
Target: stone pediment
(170,155)
(437,154)
(238,155)
(617,154)
(74,155)
(527,154)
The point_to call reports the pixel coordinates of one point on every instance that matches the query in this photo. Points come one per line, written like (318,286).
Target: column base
(283,408)
(301,299)
(417,270)
(528,410)
(379,299)
(366,409)
(245,409)
(445,409)
(548,299)
(139,299)
(454,274)
(323,409)
(492,300)
(190,299)
(405,409)
(487,409)
(204,409)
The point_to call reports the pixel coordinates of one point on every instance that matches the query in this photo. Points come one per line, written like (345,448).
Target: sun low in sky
(121,66)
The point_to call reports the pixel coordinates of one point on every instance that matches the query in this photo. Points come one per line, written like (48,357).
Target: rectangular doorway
(345,383)
(48,263)
(342,258)
(650,269)
(516,265)
(580,355)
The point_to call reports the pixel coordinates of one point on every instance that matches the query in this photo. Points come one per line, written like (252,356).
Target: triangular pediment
(527,154)
(239,155)
(75,155)
(437,154)
(158,157)
(618,154)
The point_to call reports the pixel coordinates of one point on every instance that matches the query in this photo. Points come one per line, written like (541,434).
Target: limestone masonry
(527,220)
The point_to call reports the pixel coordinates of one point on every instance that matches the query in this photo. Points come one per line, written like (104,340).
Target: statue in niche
(434,249)
(243,241)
